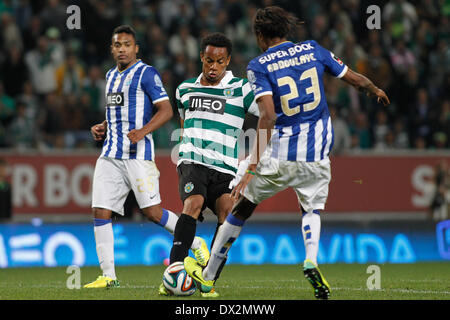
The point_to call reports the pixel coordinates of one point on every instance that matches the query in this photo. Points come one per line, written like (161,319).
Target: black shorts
(196,179)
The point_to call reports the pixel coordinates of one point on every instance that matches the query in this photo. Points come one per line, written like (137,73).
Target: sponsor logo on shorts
(188,187)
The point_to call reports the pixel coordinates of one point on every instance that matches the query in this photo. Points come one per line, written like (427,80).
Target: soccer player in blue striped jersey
(288,87)
(136,105)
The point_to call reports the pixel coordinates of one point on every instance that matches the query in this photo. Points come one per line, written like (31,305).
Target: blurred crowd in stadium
(52,78)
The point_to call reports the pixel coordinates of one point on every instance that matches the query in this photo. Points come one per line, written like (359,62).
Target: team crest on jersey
(128,80)
(188,187)
(337,59)
(228,93)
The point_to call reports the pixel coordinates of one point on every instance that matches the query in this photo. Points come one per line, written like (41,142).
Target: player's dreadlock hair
(125,29)
(272,22)
(216,39)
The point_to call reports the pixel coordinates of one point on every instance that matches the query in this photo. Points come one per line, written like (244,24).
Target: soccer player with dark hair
(137,105)
(212,109)
(288,87)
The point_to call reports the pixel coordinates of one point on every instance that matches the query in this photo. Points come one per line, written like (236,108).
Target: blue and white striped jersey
(130,96)
(292,74)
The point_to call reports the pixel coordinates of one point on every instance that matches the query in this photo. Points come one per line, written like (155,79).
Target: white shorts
(309,180)
(114,178)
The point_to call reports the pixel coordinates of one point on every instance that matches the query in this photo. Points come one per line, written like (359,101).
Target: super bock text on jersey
(292,74)
(130,98)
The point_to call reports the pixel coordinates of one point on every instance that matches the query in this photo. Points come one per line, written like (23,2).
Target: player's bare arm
(364,84)
(98,131)
(163,115)
(266,124)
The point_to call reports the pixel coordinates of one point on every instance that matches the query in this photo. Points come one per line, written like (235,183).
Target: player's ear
(201,56)
(136,49)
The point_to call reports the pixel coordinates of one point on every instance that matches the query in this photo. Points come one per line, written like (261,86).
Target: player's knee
(100,213)
(243,208)
(193,205)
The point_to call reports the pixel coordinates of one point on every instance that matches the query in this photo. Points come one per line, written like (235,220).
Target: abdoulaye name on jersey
(292,74)
(213,119)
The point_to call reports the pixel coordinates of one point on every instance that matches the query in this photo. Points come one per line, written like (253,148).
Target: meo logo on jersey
(115,99)
(213,105)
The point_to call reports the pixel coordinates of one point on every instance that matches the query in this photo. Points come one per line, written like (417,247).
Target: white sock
(226,235)
(311,234)
(104,239)
(196,244)
(169,221)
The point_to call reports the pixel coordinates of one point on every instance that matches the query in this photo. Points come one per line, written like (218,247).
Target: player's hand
(136,135)
(240,187)
(381,97)
(98,131)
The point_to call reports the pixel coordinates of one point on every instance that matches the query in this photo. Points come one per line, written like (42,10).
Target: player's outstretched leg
(314,276)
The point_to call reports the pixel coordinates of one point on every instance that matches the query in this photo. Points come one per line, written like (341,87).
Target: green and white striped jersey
(213,119)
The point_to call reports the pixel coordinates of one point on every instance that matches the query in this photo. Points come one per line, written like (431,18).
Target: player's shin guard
(182,239)
(311,234)
(226,235)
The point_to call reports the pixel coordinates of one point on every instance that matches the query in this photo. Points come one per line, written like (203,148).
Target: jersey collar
(128,68)
(279,44)
(226,78)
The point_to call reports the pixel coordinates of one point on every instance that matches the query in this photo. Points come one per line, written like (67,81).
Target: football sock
(226,257)
(183,237)
(215,234)
(104,240)
(226,235)
(311,234)
(168,220)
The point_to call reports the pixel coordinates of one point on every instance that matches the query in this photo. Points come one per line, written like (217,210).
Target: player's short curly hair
(272,22)
(216,39)
(125,29)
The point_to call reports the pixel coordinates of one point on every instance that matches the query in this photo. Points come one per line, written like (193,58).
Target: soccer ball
(177,281)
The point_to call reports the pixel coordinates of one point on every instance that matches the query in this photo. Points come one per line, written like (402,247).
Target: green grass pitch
(424,281)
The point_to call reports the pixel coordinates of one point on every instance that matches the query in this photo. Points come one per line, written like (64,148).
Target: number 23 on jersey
(293,94)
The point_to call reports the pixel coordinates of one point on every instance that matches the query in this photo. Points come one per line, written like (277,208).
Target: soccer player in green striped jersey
(212,109)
